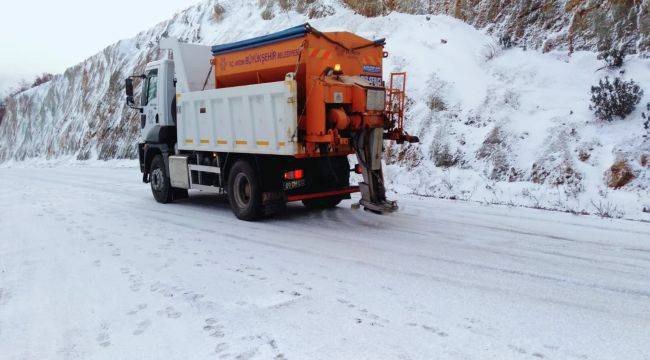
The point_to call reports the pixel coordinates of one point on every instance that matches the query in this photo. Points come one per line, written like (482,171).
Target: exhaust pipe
(369,146)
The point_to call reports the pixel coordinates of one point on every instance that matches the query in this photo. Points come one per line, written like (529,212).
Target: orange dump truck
(272,120)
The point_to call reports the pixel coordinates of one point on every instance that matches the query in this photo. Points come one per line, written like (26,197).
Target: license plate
(294,184)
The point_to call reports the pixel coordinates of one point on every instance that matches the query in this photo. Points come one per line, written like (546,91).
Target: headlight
(375,99)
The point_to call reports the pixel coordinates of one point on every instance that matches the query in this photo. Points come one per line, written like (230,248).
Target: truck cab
(157,99)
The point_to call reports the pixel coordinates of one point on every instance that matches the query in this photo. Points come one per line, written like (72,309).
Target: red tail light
(358,169)
(294,175)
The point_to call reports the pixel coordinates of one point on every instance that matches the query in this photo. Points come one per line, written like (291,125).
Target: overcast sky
(39,36)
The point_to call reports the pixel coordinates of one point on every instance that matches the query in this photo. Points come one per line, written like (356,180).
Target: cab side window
(150,90)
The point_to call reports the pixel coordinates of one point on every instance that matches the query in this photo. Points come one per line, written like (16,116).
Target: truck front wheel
(160,185)
(244,192)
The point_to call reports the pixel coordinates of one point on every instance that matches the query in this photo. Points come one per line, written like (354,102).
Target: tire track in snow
(262,229)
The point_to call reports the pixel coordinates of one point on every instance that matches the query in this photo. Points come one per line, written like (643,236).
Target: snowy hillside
(497,125)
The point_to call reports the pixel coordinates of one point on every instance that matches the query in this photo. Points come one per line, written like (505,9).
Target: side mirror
(129,87)
(129,91)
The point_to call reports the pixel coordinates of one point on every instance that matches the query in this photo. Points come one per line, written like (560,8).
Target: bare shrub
(267,14)
(564,174)
(606,209)
(511,99)
(408,155)
(371,8)
(491,51)
(42,79)
(218,13)
(321,11)
(374,8)
(619,174)
(583,155)
(476,119)
(285,4)
(436,103)
(614,99)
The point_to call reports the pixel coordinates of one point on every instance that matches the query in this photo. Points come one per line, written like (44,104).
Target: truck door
(150,117)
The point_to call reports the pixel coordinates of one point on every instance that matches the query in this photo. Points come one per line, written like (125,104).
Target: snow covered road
(92,267)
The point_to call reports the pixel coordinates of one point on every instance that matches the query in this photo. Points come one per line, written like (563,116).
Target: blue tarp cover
(290,33)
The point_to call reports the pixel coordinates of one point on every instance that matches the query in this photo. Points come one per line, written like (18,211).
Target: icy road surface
(92,268)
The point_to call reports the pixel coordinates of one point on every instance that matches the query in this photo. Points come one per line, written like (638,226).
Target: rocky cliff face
(545,24)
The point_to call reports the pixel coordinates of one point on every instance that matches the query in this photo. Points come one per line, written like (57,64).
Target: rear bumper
(324,194)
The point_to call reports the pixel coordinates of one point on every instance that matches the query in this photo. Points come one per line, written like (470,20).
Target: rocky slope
(545,24)
(497,125)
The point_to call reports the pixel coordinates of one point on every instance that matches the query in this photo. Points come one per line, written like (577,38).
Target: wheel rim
(157,179)
(242,190)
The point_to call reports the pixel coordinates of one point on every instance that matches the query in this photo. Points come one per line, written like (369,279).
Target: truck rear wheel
(160,185)
(324,203)
(244,192)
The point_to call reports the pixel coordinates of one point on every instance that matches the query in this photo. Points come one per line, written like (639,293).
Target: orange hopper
(341,95)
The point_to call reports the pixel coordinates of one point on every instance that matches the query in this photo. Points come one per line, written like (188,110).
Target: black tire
(323,203)
(244,192)
(160,185)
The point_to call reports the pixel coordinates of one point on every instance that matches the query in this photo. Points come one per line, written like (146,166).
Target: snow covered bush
(320,11)
(443,156)
(555,166)
(42,79)
(441,152)
(614,99)
(436,103)
(438,91)
(506,42)
(496,152)
(614,58)
(408,155)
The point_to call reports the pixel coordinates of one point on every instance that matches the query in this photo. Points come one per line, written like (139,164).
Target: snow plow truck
(269,120)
